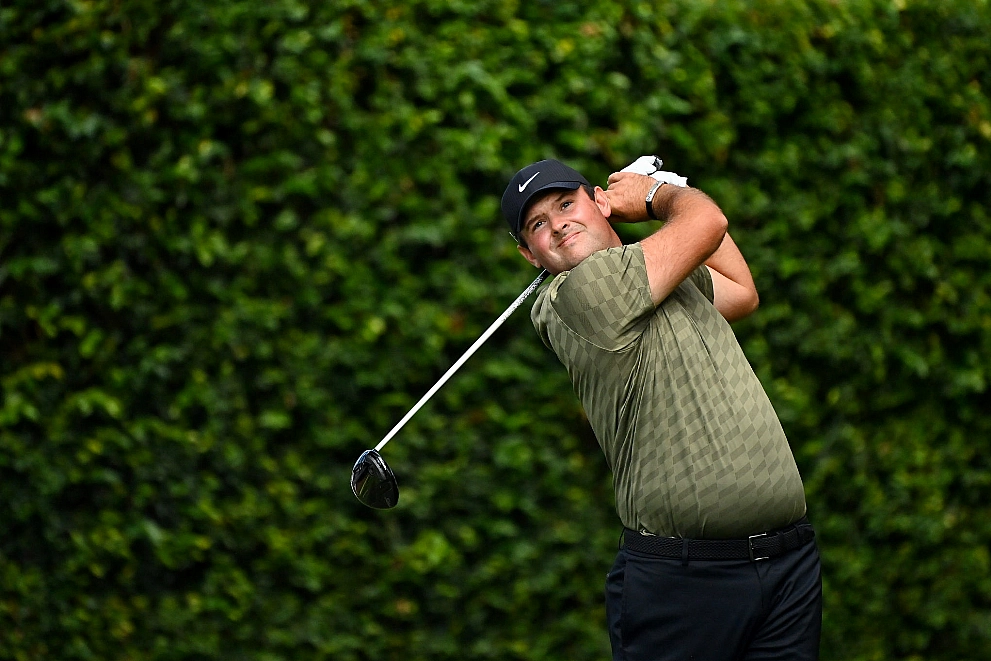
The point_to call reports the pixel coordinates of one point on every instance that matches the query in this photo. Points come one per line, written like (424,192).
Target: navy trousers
(661,609)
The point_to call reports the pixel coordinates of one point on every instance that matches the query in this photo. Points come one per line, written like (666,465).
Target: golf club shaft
(454,368)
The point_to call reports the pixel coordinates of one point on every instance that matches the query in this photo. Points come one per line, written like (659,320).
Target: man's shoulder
(622,267)
(611,260)
(588,274)
(602,300)
(542,313)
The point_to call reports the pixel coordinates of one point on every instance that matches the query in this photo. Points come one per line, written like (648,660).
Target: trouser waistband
(762,546)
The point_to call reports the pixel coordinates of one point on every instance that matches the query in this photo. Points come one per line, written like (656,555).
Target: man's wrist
(649,201)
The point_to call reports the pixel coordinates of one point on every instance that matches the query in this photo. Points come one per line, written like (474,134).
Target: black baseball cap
(531,180)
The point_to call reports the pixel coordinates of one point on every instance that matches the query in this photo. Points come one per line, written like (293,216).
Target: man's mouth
(566,240)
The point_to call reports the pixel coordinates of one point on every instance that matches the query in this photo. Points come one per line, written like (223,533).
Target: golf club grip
(467,354)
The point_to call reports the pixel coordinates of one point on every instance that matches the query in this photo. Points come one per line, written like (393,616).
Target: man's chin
(576,257)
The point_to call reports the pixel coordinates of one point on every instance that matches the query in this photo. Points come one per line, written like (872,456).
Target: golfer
(717,559)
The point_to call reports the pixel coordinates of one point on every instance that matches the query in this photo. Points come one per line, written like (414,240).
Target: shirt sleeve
(702,279)
(606,299)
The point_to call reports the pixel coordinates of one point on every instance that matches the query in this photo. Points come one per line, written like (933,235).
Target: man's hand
(632,184)
(626,193)
(651,166)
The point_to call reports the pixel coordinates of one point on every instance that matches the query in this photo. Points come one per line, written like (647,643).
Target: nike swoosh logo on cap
(527,182)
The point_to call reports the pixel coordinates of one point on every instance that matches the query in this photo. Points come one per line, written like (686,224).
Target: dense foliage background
(239,239)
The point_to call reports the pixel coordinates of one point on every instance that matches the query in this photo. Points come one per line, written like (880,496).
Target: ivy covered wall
(238,240)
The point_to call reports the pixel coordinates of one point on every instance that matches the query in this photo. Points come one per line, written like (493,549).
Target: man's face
(564,227)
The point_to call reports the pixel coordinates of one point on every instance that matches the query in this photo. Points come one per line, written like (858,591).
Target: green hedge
(238,240)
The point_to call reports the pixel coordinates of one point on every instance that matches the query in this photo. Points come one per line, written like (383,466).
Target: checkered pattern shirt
(695,446)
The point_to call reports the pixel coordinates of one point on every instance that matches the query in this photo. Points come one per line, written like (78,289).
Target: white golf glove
(651,166)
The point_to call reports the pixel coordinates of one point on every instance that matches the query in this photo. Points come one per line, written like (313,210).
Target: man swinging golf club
(718,560)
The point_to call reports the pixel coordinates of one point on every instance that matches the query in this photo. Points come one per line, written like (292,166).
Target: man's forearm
(729,261)
(734,293)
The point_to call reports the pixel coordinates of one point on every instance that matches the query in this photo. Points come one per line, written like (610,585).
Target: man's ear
(528,255)
(602,201)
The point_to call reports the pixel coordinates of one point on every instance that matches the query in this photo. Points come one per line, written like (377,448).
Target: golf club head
(373,483)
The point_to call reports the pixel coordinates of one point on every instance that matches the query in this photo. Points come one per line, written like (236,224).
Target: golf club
(372,481)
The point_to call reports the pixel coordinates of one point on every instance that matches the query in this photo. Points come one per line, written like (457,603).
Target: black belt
(756,547)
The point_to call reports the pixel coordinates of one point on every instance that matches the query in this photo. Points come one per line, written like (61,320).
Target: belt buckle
(750,548)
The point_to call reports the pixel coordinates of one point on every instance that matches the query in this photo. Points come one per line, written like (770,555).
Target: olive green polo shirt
(695,446)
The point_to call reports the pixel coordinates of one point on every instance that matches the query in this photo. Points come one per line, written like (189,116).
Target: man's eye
(565,204)
(536,225)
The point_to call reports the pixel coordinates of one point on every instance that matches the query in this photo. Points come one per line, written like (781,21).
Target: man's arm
(693,231)
(734,292)
(688,239)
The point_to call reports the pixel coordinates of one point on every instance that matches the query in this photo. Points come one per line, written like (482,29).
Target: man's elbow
(717,225)
(741,305)
(752,303)
(712,227)
(749,302)
(721,221)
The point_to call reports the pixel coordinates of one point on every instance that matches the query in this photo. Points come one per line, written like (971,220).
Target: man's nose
(558,223)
